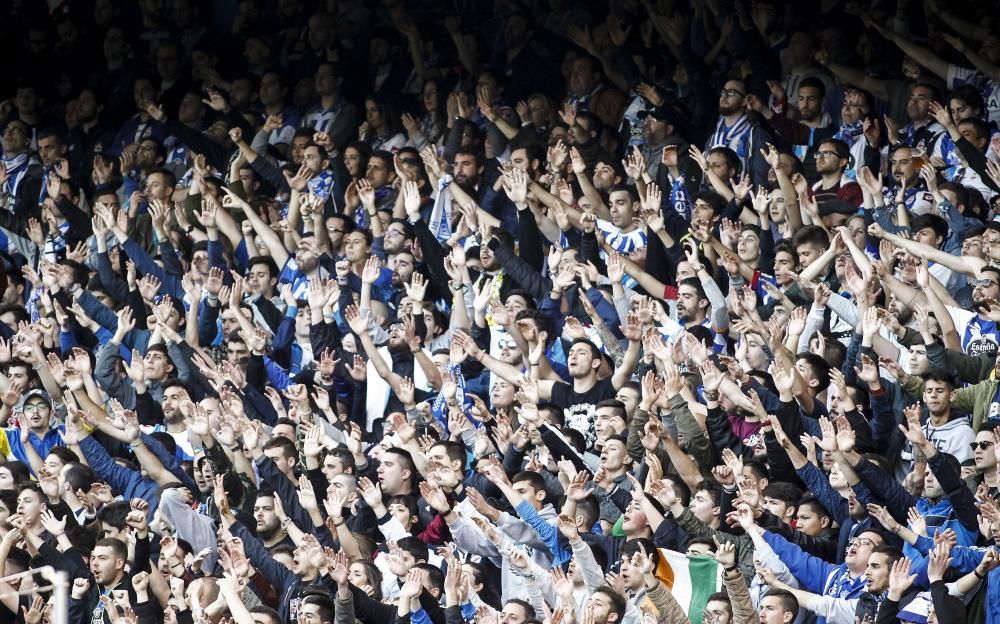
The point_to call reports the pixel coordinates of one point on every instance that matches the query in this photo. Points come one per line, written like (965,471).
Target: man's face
(961,110)
(877,573)
(50,149)
(105,565)
(827,160)
(167,62)
(15,138)
(157,365)
(156,187)
(690,306)
(395,238)
(985,457)
(466,172)
(919,105)
(810,103)
(379,172)
(778,507)
(402,269)
(607,422)
(30,506)
(718,165)
(38,412)
(259,279)
(919,364)
(613,456)
(748,246)
(267,521)
(299,149)
(631,575)
(580,361)
(582,78)
(720,610)
(519,158)
(272,92)
(937,397)
(630,397)
(391,474)
(18,374)
(732,98)
(604,177)
(986,287)
(513,613)
(808,521)
(621,209)
(601,606)
(703,211)
(703,506)
(331,467)
(307,255)
(314,160)
(859,549)
(772,611)
(808,253)
(173,397)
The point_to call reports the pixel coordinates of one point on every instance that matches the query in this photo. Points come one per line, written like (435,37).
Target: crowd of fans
(316,312)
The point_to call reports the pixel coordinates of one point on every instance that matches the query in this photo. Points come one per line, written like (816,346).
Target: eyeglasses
(826,154)
(861,541)
(985,444)
(731,93)
(35,407)
(986,282)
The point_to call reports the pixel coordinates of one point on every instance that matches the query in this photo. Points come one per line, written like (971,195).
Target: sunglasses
(980,445)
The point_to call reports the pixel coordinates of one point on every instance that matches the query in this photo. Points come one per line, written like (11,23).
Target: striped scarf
(440,222)
(17,167)
(734,137)
(321,185)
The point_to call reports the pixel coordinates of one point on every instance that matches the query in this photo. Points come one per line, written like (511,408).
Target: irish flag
(691,579)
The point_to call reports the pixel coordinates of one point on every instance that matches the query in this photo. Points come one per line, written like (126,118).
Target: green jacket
(975,399)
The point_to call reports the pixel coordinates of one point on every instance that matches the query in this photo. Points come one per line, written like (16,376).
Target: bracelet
(135,444)
(978,575)
(534,363)
(729,569)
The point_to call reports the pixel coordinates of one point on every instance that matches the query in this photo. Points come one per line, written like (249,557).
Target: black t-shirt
(580,407)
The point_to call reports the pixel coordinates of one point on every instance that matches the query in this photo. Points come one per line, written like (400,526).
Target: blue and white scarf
(734,137)
(850,131)
(440,222)
(17,167)
(321,185)
(440,408)
(680,199)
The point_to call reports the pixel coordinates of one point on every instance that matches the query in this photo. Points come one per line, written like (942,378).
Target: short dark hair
(114,513)
(532,478)
(414,546)
(811,234)
(940,375)
(595,352)
(787,599)
(932,221)
(783,491)
(268,261)
(821,368)
(714,200)
(454,450)
(811,82)
(281,442)
(116,545)
(616,602)
(169,179)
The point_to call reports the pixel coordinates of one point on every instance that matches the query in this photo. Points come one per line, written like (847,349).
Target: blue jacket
(815,574)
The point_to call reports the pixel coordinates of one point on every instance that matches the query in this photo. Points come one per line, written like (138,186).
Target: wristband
(978,575)
(534,363)
(729,569)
